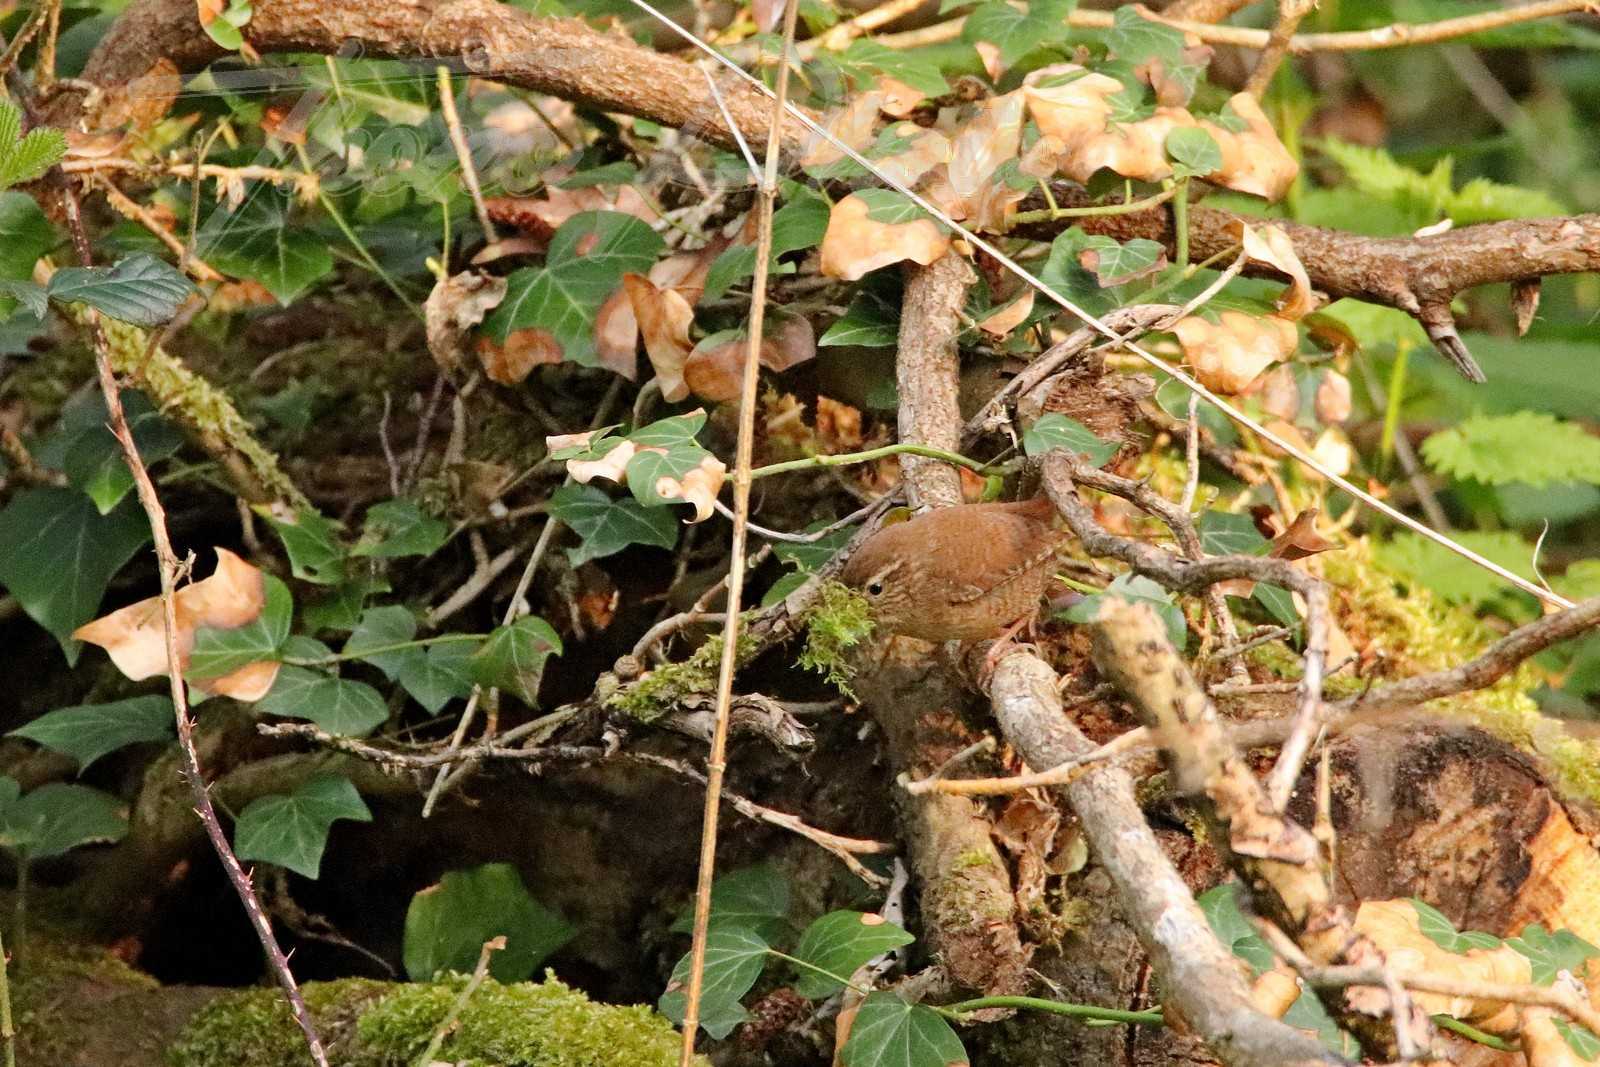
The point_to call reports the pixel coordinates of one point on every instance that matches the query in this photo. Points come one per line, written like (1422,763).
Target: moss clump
(530,1024)
(841,620)
(653,695)
(376,1024)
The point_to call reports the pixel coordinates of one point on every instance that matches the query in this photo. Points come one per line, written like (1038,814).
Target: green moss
(841,620)
(376,1024)
(973,858)
(653,695)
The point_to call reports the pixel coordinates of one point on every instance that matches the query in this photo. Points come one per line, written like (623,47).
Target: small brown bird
(963,573)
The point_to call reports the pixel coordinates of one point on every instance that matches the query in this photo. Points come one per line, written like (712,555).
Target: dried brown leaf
(664,318)
(1333,397)
(456,305)
(510,361)
(855,244)
(698,487)
(1228,355)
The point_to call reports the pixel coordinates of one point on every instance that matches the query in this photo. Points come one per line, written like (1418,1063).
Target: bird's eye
(875,587)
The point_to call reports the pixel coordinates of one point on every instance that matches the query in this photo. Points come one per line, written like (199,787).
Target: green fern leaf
(1413,558)
(1379,175)
(1525,446)
(1482,200)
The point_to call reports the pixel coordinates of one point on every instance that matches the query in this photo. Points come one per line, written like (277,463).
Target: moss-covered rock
(376,1024)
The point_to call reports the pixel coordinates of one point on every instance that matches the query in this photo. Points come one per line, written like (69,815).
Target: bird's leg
(1004,643)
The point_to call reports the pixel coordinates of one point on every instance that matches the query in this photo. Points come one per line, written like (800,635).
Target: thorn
(1525,302)
(1441,327)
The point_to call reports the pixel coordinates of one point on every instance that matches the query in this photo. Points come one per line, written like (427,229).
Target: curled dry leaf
(456,305)
(540,216)
(928,149)
(715,368)
(766,13)
(855,244)
(135,636)
(899,99)
(1001,322)
(613,465)
(510,361)
(1274,992)
(1270,246)
(851,124)
(1229,354)
(1301,539)
(664,317)
(616,327)
(1078,114)
(1279,393)
(984,143)
(1333,397)
(1333,451)
(698,487)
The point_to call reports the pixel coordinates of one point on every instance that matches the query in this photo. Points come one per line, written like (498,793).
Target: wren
(962,573)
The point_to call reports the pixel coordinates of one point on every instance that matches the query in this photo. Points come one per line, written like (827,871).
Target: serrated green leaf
(22,159)
(219,652)
(85,732)
(316,554)
(1221,908)
(58,817)
(291,830)
(1437,927)
(608,526)
(381,628)
(1525,446)
(58,553)
(1195,149)
(587,258)
(735,956)
(1413,558)
(397,528)
(1055,430)
(447,924)
(1549,954)
(441,674)
(888,1032)
(29,294)
(337,705)
(1222,533)
(514,656)
(141,289)
(838,943)
(259,242)
(1016,33)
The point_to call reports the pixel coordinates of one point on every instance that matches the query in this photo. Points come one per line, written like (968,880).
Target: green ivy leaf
(1221,908)
(22,159)
(291,830)
(316,554)
(514,656)
(1137,589)
(619,173)
(1438,928)
(800,223)
(398,528)
(1016,33)
(1580,1039)
(1194,150)
(257,241)
(1278,601)
(441,674)
(587,258)
(141,289)
(1551,953)
(809,555)
(872,320)
(735,956)
(608,526)
(219,652)
(888,1032)
(1064,272)
(756,896)
(85,732)
(1222,533)
(1119,262)
(56,818)
(1308,1013)
(224,28)
(447,924)
(903,65)
(380,627)
(58,553)
(337,705)
(1136,40)
(839,942)
(1526,446)
(340,609)
(1054,431)
(94,462)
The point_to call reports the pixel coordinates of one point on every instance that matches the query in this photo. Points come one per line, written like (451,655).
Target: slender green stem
(1055,1007)
(1180,220)
(1391,411)
(355,242)
(847,458)
(1050,213)
(1472,1033)
(8,1032)
(378,650)
(1179,277)
(814,969)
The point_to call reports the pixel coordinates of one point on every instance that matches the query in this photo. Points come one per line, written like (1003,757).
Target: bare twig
(716,760)
(469,172)
(448,1023)
(1290,12)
